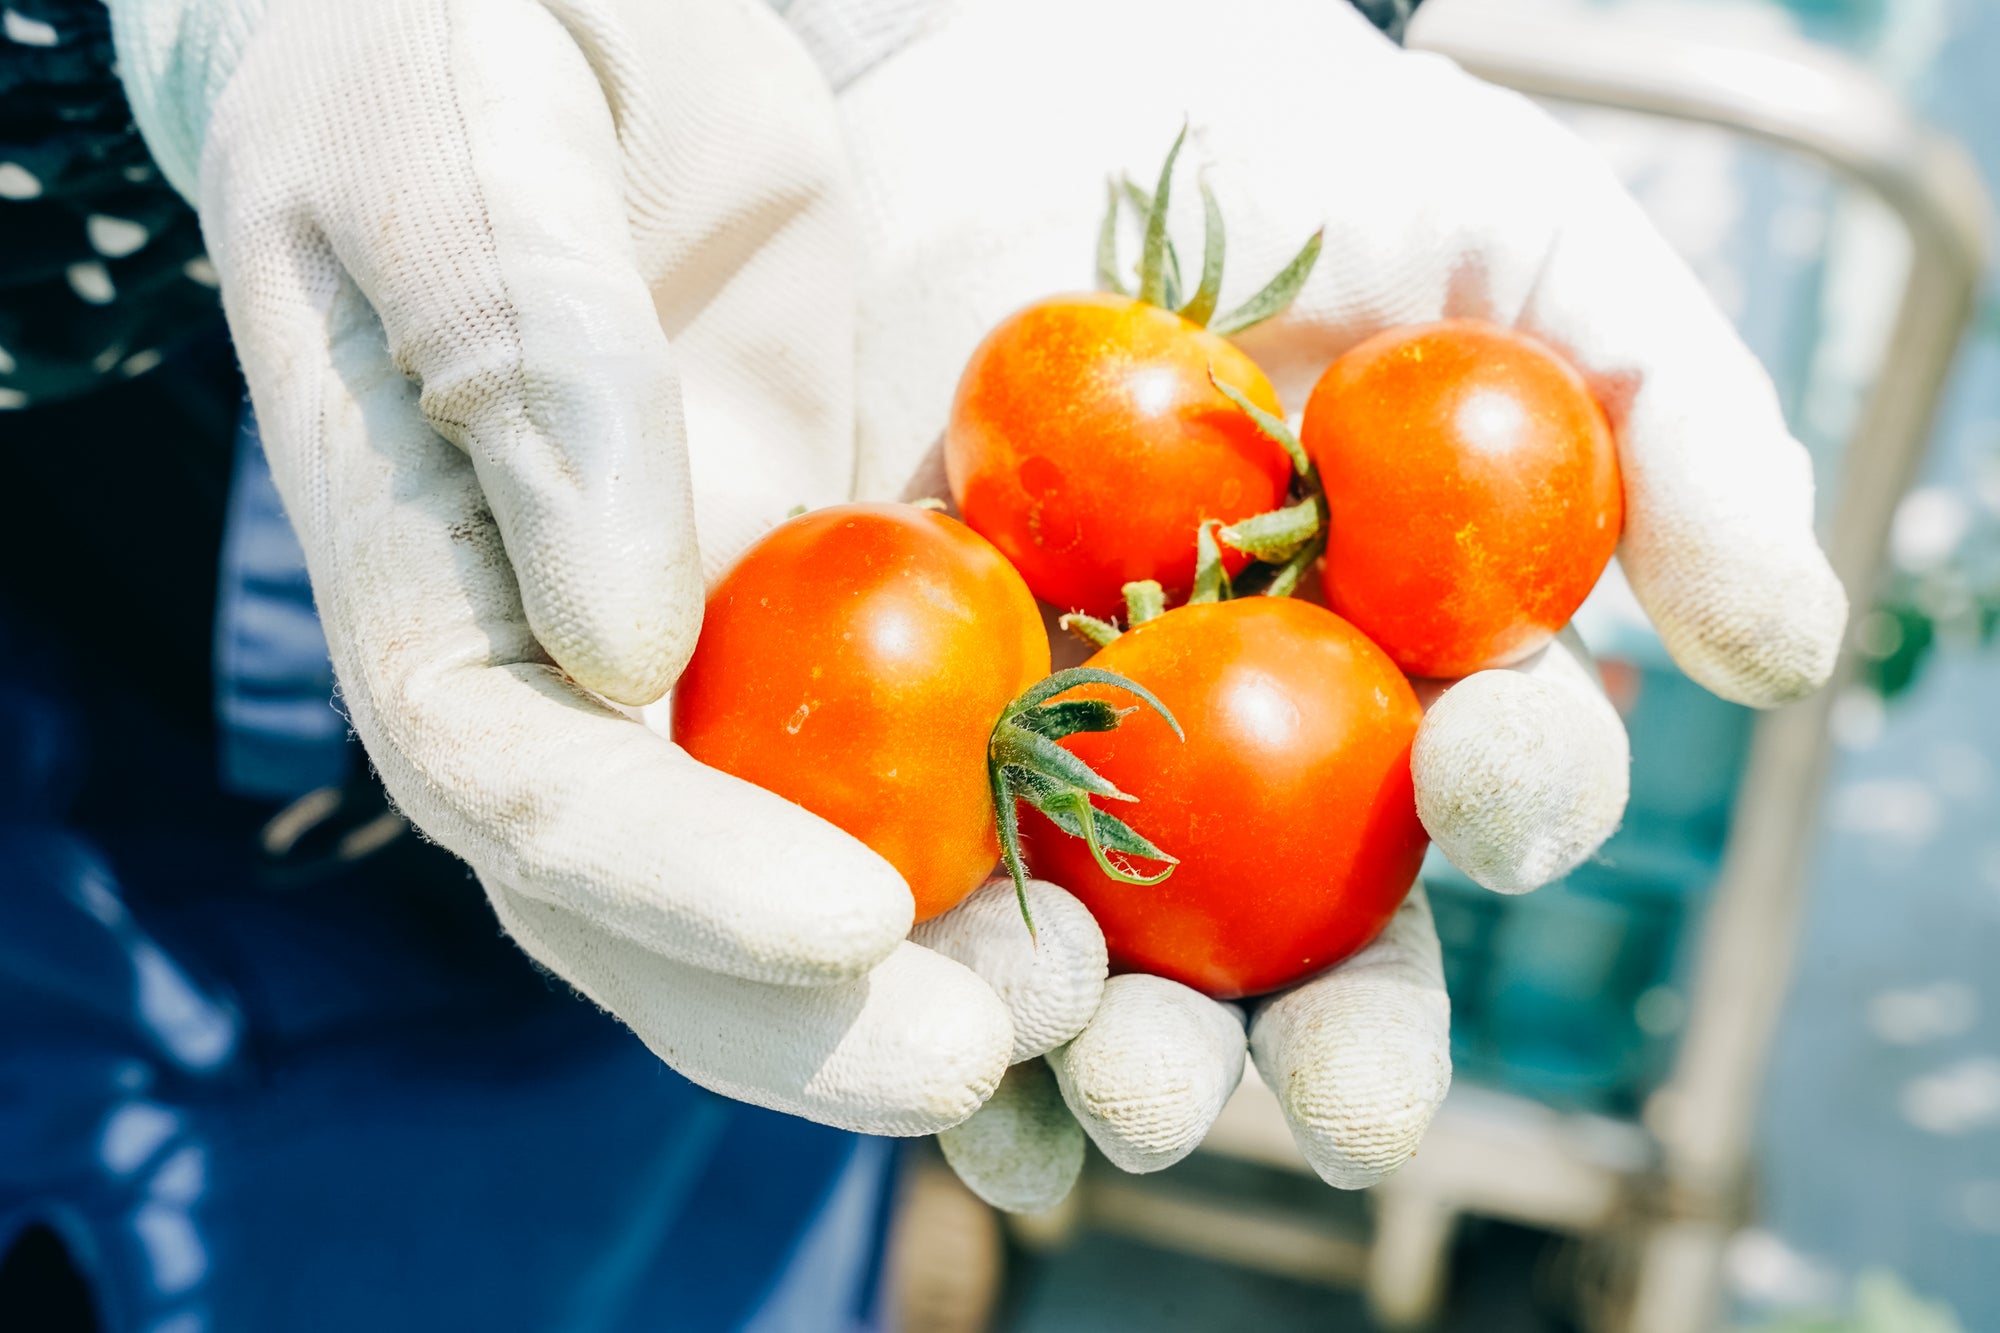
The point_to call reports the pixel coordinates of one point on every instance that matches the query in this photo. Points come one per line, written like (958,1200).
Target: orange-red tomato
(854,661)
(1087,443)
(1472,489)
(1290,804)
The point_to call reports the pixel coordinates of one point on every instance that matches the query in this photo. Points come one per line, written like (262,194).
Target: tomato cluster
(1453,492)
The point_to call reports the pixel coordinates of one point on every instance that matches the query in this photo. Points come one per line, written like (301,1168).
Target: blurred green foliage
(1944,591)
(1882,1304)
(1954,602)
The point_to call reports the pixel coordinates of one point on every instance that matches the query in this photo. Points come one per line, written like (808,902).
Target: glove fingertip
(630,644)
(1763,642)
(1357,1108)
(1152,1072)
(1023,1151)
(1051,982)
(1518,779)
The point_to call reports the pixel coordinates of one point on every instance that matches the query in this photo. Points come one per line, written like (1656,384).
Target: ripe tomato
(1087,443)
(1472,490)
(854,661)
(1290,804)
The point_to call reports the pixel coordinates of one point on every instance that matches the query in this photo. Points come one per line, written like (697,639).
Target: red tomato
(1087,443)
(1289,805)
(1473,493)
(854,661)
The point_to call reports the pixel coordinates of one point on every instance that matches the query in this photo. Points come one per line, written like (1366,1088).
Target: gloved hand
(525,293)
(981,148)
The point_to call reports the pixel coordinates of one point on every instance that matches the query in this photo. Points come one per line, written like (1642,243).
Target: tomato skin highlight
(1472,489)
(1087,443)
(854,661)
(1290,805)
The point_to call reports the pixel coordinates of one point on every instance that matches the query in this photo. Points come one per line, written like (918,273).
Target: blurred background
(1756,1042)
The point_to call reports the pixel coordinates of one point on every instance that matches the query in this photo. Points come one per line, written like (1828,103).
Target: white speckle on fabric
(91,281)
(28,32)
(17,182)
(114,238)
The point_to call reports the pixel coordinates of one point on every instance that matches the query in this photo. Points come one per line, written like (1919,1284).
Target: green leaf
(1024,763)
(1211,580)
(1066,717)
(1050,686)
(1114,833)
(1276,535)
(1201,307)
(1107,244)
(1142,203)
(1007,821)
(1286,581)
(1104,833)
(1153,257)
(1089,628)
(1272,426)
(1018,748)
(1278,293)
(1145,600)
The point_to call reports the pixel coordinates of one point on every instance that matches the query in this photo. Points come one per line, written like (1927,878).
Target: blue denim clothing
(249,1101)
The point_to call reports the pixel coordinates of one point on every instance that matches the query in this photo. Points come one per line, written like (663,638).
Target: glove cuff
(174,58)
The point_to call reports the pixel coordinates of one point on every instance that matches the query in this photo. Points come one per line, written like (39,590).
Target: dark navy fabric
(250,1100)
(358,1106)
(281,736)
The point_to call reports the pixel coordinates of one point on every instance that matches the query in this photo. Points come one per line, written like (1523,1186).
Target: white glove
(504,276)
(981,149)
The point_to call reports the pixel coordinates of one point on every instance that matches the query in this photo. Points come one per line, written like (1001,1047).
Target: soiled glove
(526,292)
(982,134)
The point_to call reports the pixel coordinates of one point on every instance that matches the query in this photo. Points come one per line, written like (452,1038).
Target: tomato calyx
(1145,600)
(1285,541)
(1024,763)
(1159,271)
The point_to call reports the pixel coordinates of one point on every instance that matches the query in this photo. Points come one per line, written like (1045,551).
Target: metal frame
(1671,1193)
